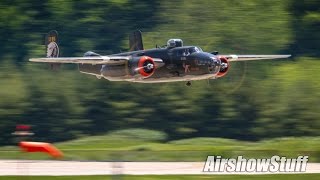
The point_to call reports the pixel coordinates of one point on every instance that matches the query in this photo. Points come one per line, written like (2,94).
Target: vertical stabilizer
(52,48)
(135,41)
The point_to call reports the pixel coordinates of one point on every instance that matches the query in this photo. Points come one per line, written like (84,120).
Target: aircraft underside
(160,76)
(165,79)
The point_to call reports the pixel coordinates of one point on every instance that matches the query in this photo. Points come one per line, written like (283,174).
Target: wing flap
(234,58)
(84,60)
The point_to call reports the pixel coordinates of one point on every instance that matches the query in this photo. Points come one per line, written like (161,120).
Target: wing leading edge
(84,60)
(234,58)
(111,60)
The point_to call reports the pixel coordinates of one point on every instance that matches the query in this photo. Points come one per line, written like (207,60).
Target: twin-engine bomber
(170,63)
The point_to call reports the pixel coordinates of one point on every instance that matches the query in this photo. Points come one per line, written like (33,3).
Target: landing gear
(188,83)
(99,77)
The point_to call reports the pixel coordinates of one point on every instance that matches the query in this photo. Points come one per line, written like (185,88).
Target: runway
(62,168)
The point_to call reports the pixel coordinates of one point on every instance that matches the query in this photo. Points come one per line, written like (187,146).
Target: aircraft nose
(214,65)
(207,59)
(215,61)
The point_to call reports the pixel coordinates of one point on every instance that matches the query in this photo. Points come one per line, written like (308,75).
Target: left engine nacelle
(143,66)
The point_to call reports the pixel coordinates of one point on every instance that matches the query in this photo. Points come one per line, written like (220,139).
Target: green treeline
(256,100)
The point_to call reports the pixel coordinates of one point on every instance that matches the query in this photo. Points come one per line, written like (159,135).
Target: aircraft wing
(84,60)
(234,58)
(111,60)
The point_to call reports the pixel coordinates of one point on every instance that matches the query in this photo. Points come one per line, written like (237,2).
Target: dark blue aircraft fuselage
(179,64)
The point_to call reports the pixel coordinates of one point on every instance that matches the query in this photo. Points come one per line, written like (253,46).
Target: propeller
(231,82)
(147,67)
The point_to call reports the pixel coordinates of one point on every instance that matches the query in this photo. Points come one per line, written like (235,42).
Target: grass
(115,146)
(171,177)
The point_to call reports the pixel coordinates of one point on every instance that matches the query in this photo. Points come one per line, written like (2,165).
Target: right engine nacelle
(224,66)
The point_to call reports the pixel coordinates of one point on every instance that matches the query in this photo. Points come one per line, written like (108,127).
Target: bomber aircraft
(170,63)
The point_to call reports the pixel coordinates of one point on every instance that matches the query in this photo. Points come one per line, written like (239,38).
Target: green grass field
(173,177)
(149,146)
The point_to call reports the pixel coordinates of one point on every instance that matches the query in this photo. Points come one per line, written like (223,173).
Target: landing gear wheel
(188,83)
(99,77)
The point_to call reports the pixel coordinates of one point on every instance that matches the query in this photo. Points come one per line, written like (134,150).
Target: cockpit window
(188,51)
(195,49)
(183,52)
(199,49)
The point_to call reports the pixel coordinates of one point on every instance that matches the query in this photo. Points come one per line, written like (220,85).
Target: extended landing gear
(99,77)
(188,83)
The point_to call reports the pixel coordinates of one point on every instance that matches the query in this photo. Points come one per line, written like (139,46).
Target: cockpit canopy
(194,49)
(188,50)
(172,43)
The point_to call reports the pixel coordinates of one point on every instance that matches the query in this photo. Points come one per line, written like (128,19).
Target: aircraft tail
(135,41)
(52,48)
(51,41)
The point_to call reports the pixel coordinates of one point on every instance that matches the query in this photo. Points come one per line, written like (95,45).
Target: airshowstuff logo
(240,164)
